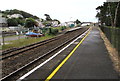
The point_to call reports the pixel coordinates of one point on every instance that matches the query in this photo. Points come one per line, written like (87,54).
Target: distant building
(3,21)
(55,23)
(15,16)
(86,23)
(63,24)
(40,24)
(69,24)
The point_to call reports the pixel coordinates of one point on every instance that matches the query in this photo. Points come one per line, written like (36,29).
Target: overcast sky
(63,10)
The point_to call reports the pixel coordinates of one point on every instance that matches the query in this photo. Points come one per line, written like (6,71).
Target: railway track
(17,51)
(6,77)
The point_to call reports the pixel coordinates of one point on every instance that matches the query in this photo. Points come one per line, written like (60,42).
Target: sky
(63,10)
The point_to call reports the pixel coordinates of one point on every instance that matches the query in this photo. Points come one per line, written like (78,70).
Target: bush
(12,22)
(44,30)
(53,31)
(63,27)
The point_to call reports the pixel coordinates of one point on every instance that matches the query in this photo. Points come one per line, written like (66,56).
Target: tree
(12,22)
(48,17)
(35,17)
(20,21)
(30,22)
(47,23)
(77,22)
(118,17)
(108,13)
(116,13)
(103,14)
(23,13)
(57,21)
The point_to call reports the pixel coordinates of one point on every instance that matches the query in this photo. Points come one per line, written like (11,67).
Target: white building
(55,23)
(63,24)
(40,24)
(68,23)
(3,21)
(14,16)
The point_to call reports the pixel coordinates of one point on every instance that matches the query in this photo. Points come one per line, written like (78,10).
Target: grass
(11,36)
(59,28)
(24,42)
(27,41)
(0,47)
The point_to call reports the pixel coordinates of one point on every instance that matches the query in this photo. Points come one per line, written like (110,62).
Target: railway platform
(87,59)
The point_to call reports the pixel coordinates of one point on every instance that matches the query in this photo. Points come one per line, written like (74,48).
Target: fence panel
(113,35)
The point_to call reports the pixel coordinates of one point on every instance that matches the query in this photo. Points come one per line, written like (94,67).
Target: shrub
(53,31)
(63,27)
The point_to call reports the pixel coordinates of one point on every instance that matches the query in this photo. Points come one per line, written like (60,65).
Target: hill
(15,11)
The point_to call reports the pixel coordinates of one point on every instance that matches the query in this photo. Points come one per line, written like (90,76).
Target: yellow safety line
(63,62)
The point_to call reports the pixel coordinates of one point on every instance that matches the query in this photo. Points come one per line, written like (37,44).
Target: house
(55,23)
(63,24)
(69,24)
(40,24)
(15,16)
(3,24)
(3,21)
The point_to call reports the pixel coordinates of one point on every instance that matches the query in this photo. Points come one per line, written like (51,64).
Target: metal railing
(113,35)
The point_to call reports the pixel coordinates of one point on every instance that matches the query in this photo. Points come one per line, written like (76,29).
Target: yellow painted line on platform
(63,62)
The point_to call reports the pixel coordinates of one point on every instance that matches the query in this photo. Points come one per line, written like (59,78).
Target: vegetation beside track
(49,33)
(25,41)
